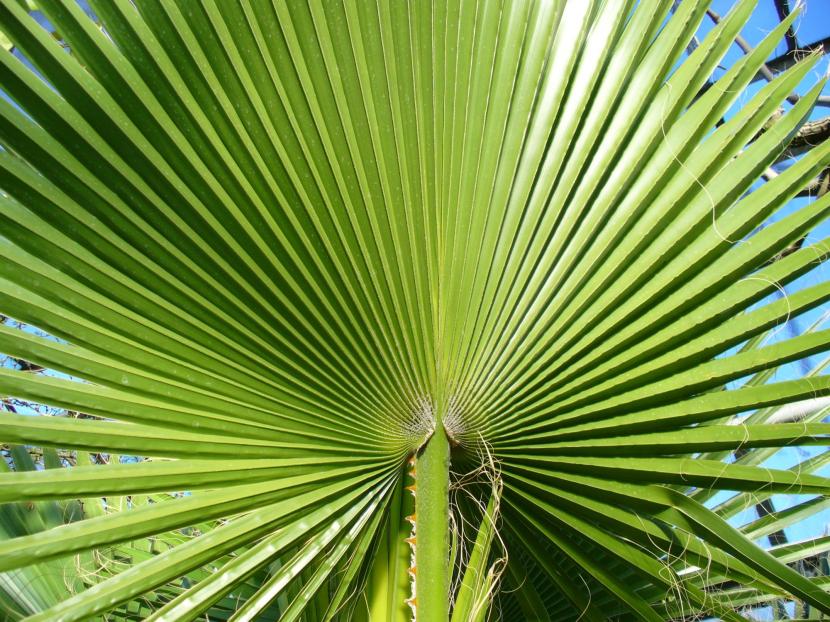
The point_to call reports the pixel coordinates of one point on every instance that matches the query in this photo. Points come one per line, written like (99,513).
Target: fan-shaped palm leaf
(285,246)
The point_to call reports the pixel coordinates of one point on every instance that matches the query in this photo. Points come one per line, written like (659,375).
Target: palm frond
(283,247)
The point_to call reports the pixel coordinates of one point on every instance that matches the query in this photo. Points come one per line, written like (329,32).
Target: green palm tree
(287,248)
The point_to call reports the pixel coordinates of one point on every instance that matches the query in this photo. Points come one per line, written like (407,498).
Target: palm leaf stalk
(285,248)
